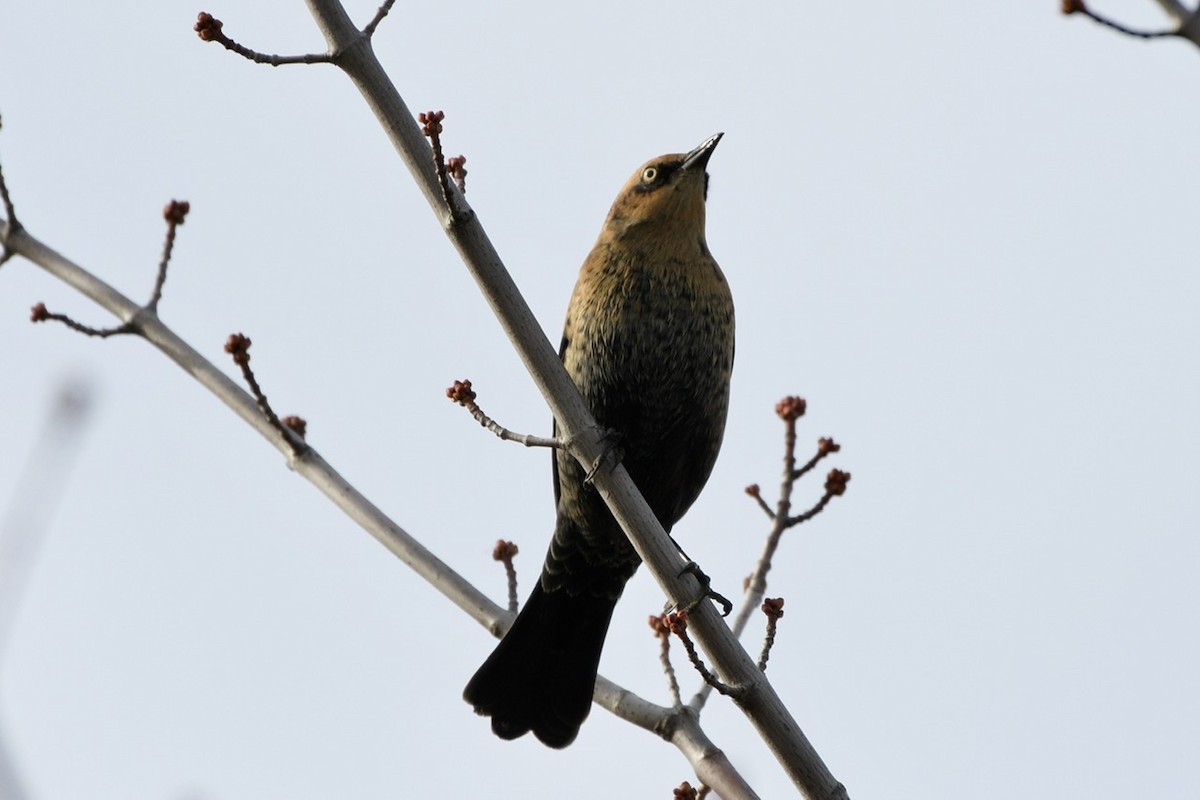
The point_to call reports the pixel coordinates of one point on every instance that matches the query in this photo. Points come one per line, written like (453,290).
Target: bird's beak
(698,158)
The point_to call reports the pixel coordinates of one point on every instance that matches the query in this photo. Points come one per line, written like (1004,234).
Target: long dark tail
(541,676)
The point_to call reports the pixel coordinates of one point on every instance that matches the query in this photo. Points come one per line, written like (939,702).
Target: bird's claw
(706,591)
(611,455)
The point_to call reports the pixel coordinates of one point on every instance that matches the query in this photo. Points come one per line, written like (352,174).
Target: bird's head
(665,193)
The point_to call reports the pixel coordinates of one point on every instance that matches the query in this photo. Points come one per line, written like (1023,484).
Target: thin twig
(456,165)
(174,213)
(462,394)
(39,313)
(660,625)
(825,447)
(238,346)
(835,486)
(504,552)
(209,27)
(755,491)
(369,31)
(773,609)
(431,126)
(677,622)
(789,409)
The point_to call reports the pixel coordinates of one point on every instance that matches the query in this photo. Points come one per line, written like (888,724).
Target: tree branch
(708,761)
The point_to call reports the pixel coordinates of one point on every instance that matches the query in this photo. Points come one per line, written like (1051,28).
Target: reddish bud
(296,425)
(773,607)
(835,482)
(238,346)
(685,791)
(207,26)
(461,392)
(175,211)
(431,122)
(504,551)
(791,408)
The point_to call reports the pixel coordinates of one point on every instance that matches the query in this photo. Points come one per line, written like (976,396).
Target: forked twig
(175,212)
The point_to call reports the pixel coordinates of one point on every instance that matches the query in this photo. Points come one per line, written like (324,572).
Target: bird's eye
(649,174)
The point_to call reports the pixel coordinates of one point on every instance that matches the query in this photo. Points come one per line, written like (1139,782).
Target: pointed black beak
(698,158)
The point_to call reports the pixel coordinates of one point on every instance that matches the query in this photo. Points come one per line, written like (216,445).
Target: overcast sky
(963,231)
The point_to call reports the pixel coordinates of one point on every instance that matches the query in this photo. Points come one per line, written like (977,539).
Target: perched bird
(649,342)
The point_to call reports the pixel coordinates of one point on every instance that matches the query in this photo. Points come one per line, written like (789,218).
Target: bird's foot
(610,456)
(706,591)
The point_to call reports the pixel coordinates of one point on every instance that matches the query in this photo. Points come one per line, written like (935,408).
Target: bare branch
(677,725)
(431,127)
(238,346)
(835,486)
(773,609)
(39,313)
(789,409)
(209,27)
(312,467)
(462,393)
(681,727)
(458,170)
(677,623)
(175,213)
(755,491)
(662,630)
(505,552)
(378,18)
(825,447)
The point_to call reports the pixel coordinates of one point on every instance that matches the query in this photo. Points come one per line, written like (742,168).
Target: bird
(649,342)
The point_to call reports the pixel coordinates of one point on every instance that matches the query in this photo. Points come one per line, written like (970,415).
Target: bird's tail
(541,676)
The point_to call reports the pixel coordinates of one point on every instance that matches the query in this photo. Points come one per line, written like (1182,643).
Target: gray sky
(961,230)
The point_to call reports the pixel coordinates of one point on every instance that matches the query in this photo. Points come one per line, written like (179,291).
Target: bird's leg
(706,590)
(611,455)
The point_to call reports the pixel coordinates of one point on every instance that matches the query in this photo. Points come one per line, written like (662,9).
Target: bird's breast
(649,342)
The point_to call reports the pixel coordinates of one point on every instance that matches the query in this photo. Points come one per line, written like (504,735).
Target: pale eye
(649,174)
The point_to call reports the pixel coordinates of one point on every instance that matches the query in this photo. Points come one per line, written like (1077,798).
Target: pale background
(964,231)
